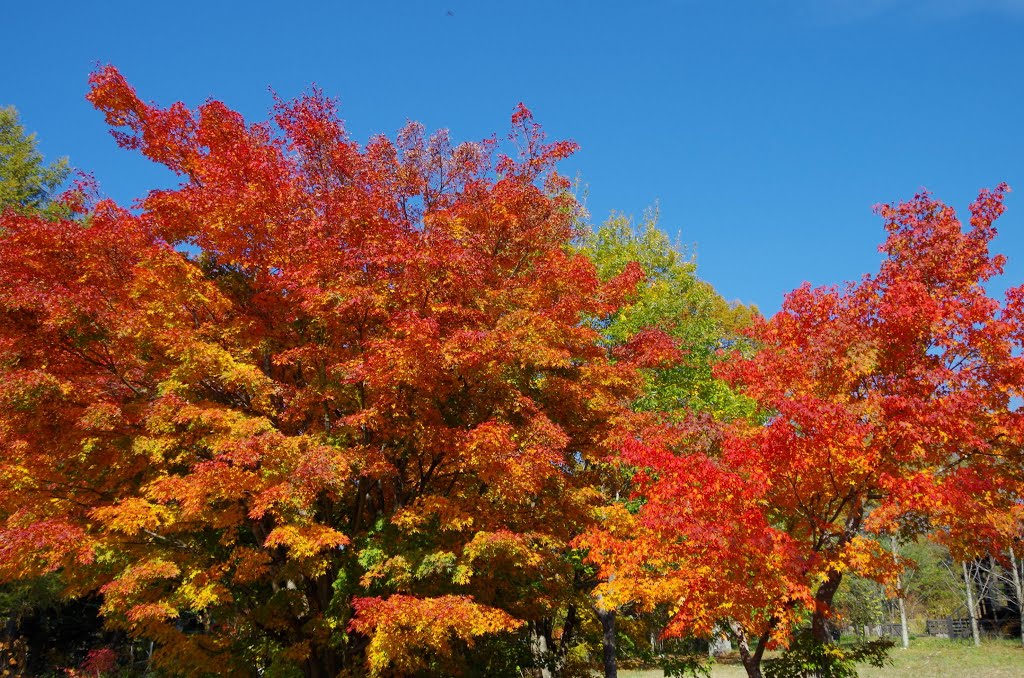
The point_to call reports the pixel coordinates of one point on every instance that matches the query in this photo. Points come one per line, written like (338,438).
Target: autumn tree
(323,407)
(35,620)
(886,409)
(694,322)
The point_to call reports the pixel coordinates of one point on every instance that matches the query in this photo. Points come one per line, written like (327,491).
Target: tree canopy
(329,408)
(887,409)
(367,398)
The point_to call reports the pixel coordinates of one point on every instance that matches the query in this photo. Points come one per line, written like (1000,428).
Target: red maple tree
(319,392)
(887,408)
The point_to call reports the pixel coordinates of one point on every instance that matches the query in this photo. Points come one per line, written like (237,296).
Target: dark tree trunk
(324,663)
(823,603)
(327,660)
(33,631)
(568,634)
(607,617)
(751,660)
(827,590)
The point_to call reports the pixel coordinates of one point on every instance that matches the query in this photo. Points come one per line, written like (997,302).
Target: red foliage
(315,371)
(887,409)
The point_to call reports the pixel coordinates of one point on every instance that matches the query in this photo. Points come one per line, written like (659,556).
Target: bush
(806,657)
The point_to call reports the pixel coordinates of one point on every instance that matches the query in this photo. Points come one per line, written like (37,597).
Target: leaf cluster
(807,657)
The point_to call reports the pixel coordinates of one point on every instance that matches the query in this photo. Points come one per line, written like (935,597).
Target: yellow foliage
(305,541)
(401,628)
(133,515)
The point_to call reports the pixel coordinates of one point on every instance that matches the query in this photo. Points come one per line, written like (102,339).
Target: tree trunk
(539,648)
(1019,590)
(904,632)
(751,660)
(607,617)
(568,635)
(969,583)
(325,662)
(827,590)
(823,599)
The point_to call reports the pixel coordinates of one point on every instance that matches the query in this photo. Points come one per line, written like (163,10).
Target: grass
(926,658)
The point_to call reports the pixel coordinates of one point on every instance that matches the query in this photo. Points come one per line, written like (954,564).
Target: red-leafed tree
(280,415)
(887,408)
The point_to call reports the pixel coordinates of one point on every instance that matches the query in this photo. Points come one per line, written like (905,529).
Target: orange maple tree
(318,393)
(887,408)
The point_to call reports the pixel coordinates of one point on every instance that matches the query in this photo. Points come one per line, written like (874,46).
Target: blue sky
(765,130)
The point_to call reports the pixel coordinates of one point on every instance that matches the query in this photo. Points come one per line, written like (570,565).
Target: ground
(926,658)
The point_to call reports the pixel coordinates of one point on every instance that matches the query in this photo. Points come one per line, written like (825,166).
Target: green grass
(926,658)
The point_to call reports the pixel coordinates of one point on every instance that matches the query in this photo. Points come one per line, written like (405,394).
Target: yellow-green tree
(675,301)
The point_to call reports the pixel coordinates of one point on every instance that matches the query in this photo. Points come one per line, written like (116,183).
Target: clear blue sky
(764,129)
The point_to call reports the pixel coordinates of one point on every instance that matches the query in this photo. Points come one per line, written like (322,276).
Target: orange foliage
(228,407)
(887,408)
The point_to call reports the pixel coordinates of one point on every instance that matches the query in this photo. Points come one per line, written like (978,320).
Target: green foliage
(686,666)
(932,589)
(860,601)
(283,666)
(501,655)
(26,184)
(29,596)
(809,658)
(675,301)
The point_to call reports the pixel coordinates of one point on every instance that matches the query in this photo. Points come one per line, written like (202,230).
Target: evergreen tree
(27,184)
